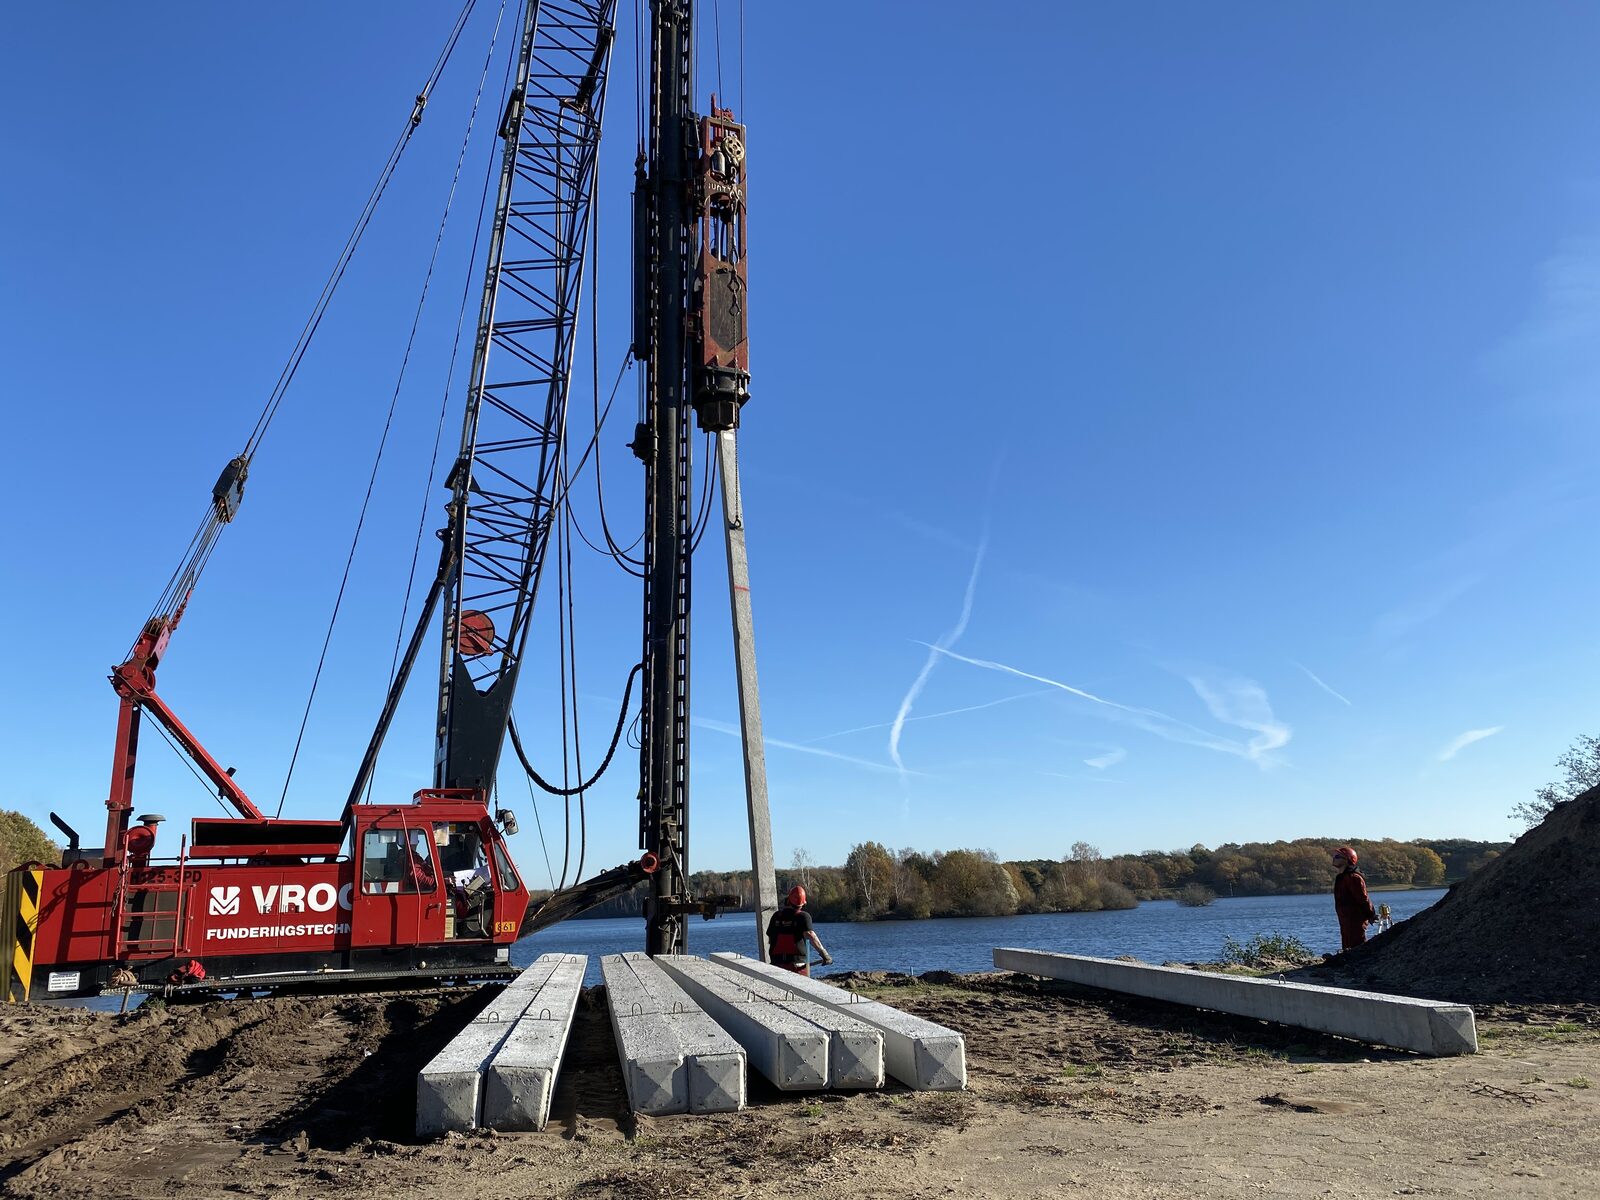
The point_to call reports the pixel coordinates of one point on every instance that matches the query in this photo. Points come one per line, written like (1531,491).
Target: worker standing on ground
(1350,899)
(788,932)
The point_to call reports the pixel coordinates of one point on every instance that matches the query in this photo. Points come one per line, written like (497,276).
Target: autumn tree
(1581,763)
(972,883)
(913,898)
(870,871)
(22,841)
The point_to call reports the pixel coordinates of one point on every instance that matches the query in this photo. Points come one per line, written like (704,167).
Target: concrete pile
(1406,1023)
(917,1053)
(674,1058)
(500,1071)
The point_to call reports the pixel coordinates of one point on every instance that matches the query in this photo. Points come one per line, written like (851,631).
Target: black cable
(572,664)
(622,556)
(616,737)
(561,673)
(621,553)
(703,519)
(210,787)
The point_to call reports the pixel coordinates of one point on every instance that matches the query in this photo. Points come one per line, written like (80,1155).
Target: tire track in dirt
(104,1104)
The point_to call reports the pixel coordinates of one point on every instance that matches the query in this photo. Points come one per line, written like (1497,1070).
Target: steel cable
(383,440)
(616,738)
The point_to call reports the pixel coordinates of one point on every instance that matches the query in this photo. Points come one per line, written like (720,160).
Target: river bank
(1072,1092)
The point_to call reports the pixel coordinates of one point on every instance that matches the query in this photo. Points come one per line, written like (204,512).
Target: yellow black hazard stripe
(21,923)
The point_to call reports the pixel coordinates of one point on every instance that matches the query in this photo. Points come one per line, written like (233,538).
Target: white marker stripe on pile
(713,1063)
(521,1077)
(786,1048)
(917,1052)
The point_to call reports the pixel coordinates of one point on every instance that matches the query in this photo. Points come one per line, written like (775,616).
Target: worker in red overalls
(788,932)
(1350,899)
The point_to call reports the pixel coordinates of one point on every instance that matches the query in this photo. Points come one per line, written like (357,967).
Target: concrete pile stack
(500,1071)
(917,1053)
(674,1058)
(798,1044)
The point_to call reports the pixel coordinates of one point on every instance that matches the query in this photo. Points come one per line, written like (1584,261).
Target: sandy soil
(1073,1093)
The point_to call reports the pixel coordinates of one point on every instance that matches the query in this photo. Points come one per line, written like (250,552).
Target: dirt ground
(1072,1093)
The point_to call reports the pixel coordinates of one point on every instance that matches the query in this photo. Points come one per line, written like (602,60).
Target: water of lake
(1156,931)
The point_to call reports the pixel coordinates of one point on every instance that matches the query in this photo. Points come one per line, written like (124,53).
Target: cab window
(395,861)
(508,873)
(461,851)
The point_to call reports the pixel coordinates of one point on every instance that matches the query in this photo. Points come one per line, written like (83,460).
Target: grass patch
(1082,1071)
(1561,1031)
(813,1109)
(1579,1081)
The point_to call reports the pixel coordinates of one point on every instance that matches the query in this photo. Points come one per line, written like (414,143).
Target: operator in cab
(788,933)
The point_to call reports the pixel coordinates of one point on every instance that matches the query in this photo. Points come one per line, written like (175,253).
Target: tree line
(876,883)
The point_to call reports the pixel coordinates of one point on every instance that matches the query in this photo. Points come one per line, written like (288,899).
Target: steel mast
(690,332)
(661,319)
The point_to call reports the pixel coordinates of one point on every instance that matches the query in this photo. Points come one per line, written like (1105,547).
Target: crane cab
(433,872)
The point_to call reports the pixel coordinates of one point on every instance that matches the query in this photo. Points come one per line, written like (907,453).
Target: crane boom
(506,480)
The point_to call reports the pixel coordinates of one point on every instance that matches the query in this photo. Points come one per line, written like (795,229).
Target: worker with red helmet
(788,933)
(1350,900)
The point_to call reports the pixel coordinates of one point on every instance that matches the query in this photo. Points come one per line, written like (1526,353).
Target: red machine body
(423,887)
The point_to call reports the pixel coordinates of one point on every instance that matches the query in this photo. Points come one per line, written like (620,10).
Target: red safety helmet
(1347,854)
(797,896)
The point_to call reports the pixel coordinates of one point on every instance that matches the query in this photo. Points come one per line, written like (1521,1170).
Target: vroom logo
(281,898)
(297,898)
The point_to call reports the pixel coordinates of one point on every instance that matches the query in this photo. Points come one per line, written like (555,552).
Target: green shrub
(1265,949)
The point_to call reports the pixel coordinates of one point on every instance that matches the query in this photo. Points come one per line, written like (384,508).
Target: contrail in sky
(1316,679)
(1461,741)
(949,712)
(941,646)
(733,731)
(1273,735)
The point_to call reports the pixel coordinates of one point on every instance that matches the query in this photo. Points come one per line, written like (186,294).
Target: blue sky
(1172,422)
